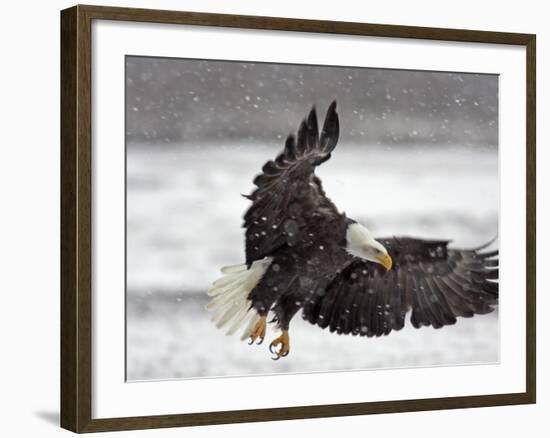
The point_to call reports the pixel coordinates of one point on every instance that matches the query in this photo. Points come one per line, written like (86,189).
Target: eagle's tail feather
(232,269)
(230,304)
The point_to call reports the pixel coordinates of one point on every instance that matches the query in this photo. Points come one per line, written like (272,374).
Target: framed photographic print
(341,211)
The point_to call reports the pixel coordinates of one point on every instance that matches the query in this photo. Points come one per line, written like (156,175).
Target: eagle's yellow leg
(258,332)
(284,342)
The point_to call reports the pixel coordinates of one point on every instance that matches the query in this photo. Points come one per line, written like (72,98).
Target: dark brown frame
(76,235)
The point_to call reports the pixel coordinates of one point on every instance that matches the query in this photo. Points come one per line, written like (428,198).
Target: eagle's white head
(360,243)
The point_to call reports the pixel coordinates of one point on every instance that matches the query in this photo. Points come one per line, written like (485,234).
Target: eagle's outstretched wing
(437,283)
(287,189)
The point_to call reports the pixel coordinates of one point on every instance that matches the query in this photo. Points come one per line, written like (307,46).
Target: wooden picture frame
(76,217)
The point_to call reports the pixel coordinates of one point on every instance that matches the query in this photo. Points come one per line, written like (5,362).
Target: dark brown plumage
(302,253)
(435,283)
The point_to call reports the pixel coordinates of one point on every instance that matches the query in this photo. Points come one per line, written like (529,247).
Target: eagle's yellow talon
(284,342)
(258,332)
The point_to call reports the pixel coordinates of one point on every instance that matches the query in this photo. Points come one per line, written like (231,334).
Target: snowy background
(417,155)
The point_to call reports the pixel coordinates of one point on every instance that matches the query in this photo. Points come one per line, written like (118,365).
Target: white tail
(230,304)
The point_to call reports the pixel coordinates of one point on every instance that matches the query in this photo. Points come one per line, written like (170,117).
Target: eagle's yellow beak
(386,261)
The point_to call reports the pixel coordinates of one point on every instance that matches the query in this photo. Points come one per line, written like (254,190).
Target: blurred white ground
(184,213)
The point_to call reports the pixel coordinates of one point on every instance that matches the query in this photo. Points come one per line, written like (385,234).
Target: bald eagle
(303,254)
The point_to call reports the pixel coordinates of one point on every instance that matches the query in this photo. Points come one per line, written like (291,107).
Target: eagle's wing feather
(436,283)
(287,189)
